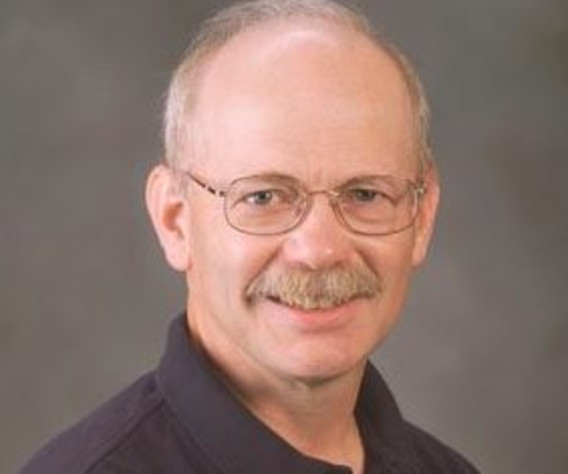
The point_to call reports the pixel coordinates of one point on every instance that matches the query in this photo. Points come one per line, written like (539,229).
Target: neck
(316,418)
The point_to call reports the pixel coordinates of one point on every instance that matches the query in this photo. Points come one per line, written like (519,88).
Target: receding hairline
(240,18)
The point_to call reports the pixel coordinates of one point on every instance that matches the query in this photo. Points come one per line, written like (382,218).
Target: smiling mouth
(309,303)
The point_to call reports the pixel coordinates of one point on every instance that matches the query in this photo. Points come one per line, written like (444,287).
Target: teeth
(303,301)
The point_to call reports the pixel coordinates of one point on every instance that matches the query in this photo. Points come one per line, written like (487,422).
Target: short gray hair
(229,22)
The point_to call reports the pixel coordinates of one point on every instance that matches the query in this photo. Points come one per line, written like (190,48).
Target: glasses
(274,204)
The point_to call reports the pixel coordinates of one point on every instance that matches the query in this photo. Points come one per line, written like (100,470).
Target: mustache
(315,289)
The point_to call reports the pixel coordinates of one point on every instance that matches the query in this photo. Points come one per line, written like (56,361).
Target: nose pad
(320,240)
(304,211)
(333,202)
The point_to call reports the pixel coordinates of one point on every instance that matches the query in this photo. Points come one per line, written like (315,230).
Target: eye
(269,197)
(364,195)
(261,198)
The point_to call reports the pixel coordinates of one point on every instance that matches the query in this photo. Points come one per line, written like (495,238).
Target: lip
(312,320)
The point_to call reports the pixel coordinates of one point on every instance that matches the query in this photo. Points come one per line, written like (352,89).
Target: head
(229,23)
(301,89)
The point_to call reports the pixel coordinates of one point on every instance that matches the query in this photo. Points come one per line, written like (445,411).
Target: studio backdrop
(481,355)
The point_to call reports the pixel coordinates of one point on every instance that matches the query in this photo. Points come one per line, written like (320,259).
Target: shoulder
(395,440)
(85,445)
(436,457)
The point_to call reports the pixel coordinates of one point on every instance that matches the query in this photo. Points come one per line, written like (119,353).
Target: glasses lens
(378,205)
(264,204)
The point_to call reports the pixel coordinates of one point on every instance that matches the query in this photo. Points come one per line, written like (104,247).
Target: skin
(323,104)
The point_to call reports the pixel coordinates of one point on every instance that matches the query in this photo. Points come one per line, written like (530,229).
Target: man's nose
(320,240)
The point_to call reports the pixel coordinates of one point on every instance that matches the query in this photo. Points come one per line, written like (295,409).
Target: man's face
(322,105)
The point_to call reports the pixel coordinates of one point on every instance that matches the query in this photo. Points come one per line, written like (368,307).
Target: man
(297,197)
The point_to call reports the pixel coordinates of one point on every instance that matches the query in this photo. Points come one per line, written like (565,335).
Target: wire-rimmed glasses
(273,204)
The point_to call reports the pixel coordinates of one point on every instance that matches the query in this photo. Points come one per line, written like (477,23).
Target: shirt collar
(221,425)
(383,429)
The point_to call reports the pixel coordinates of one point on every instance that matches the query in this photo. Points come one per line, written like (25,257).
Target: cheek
(208,247)
(246,257)
(391,259)
(225,260)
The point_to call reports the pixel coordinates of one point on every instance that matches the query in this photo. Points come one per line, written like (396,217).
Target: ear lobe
(169,214)
(424,226)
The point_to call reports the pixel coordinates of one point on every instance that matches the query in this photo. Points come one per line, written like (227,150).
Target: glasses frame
(418,188)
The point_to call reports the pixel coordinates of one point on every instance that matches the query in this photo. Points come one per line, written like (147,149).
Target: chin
(322,345)
(315,365)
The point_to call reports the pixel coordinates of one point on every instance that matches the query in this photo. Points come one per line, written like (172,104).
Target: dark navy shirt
(182,419)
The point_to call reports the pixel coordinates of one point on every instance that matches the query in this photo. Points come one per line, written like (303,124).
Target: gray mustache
(315,289)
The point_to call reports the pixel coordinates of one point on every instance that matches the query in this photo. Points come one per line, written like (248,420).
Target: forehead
(303,98)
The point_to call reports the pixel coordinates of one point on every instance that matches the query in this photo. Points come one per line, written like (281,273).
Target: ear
(169,212)
(428,207)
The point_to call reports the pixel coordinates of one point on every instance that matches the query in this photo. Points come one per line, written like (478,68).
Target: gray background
(85,296)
